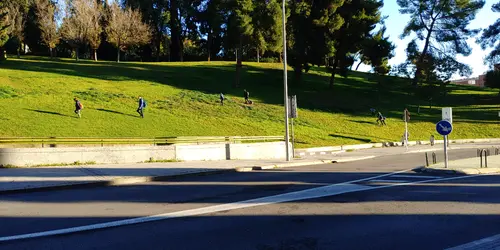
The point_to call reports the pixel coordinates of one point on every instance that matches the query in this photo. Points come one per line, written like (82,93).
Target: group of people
(79,107)
(246,95)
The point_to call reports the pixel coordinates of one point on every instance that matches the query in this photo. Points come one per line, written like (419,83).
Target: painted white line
(395,181)
(339,188)
(418,176)
(492,242)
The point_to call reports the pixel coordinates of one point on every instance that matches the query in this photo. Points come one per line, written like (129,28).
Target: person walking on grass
(246,94)
(142,105)
(78,107)
(221,96)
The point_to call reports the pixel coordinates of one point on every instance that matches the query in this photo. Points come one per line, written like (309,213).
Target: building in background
(475,81)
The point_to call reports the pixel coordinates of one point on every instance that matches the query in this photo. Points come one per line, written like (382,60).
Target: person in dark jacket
(78,107)
(140,109)
(246,94)
(221,97)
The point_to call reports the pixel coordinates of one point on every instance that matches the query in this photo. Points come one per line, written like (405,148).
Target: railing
(51,141)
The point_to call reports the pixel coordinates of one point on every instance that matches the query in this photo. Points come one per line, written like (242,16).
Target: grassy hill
(36,99)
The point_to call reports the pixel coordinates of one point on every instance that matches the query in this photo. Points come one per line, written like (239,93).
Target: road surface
(370,204)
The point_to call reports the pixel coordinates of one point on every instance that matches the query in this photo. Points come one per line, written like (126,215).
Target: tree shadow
(116,112)
(364,122)
(361,139)
(50,112)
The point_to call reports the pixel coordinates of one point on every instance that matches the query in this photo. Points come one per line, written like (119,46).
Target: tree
(92,16)
(244,27)
(442,26)
(212,17)
(74,28)
(125,28)
(310,24)
(492,79)
(4,28)
(360,18)
(46,12)
(154,12)
(18,11)
(175,31)
(491,38)
(376,50)
(267,27)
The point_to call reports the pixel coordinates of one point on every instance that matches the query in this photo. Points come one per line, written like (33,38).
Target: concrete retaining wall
(134,154)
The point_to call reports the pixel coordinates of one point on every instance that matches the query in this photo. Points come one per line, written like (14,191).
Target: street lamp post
(285,83)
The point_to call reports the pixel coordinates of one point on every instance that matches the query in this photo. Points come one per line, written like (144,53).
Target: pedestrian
(380,119)
(78,107)
(406,115)
(221,96)
(373,111)
(246,94)
(142,105)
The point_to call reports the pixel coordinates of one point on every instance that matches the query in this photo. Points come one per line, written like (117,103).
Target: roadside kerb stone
(469,166)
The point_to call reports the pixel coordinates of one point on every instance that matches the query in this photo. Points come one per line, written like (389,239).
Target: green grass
(36,99)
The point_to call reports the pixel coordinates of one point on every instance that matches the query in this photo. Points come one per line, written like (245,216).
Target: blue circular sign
(444,127)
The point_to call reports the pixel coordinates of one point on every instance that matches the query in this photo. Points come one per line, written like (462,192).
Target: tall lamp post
(285,82)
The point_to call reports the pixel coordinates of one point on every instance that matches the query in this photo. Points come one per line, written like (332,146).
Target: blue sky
(396,22)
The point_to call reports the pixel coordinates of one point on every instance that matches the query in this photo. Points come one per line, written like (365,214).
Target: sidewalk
(465,166)
(15,180)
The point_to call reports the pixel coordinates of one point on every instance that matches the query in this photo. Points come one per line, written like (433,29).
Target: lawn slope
(36,99)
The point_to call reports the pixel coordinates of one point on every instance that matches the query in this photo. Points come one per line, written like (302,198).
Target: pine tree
(491,38)
(442,26)
(4,29)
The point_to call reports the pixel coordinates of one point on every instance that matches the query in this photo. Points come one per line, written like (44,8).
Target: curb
(465,171)
(132,180)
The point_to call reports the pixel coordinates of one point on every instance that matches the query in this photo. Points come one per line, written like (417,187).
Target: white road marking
(330,190)
(417,176)
(395,181)
(492,242)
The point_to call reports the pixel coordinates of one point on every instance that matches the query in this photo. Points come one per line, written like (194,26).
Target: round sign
(444,127)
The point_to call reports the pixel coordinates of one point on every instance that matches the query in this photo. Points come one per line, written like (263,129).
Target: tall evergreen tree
(18,12)
(360,18)
(491,38)
(243,24)
(4,28)
(212,17)
(442,27)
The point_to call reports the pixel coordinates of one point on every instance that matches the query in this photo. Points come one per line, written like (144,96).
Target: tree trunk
(281,57)
(209,45)
(118,54)
(422,56)
(238,63)
(175,30)
(360,62)
(258,55)
(95,55)
(19,51)
(50,52)
(77,54)
(334,69)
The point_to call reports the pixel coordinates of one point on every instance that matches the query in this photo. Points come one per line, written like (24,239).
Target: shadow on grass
(50,112)
(354,95)
(116,112)
(364,122)
(361,139)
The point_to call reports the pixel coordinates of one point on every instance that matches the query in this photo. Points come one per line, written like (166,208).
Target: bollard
(426,160)
(484,152)
(434,159)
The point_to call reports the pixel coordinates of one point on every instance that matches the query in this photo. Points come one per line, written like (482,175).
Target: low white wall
(134,154)
(37,156)
(206,152)
(258,151)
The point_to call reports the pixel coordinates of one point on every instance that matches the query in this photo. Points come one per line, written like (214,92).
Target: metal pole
(293,140)
(445,151)
(285,83)
(406,129)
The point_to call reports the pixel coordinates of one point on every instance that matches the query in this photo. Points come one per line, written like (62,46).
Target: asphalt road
(356,205)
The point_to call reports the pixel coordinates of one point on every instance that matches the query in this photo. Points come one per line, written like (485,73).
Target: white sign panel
(447,115)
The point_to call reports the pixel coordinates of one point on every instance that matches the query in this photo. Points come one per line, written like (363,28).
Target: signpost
(293,114)
(444,128)
(406,117)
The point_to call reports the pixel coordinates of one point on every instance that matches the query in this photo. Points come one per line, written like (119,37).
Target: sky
(396,22)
